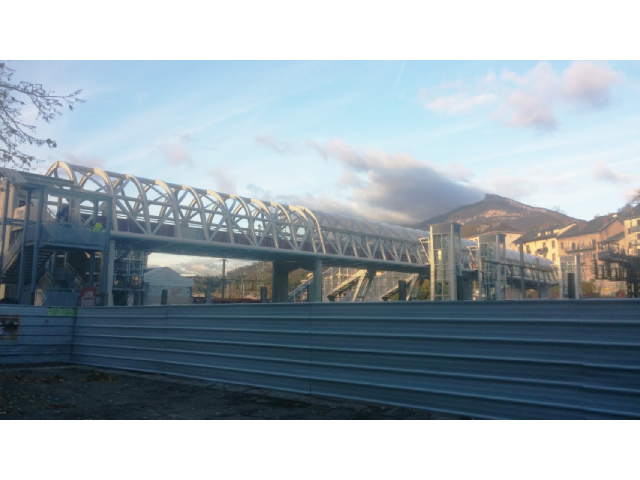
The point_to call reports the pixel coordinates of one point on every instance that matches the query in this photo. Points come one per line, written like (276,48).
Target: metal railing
(618,249)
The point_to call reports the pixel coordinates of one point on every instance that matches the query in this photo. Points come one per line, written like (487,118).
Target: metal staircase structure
(47,224)
(619,264)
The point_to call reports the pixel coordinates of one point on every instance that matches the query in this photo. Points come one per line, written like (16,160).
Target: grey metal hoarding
(524,359)
(35,334)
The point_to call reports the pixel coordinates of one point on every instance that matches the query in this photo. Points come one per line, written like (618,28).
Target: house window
(582,242)
(562,245)
(553,257)
(553,244)
(593,242)
(544,244)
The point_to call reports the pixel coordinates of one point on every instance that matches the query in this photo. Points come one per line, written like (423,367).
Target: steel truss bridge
(157,216)
(144,215)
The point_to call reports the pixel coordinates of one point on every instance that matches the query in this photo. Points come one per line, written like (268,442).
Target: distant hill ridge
(493,209)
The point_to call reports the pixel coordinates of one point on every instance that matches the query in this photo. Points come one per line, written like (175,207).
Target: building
(543,242)
(177,288)
(511,234)
(583,239)
(631,241)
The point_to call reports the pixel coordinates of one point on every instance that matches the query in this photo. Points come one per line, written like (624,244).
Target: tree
(13,131)
(559,210)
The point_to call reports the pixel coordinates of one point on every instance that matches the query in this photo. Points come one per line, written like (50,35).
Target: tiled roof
(615,238)
(633,213)
(533,234)
(594,226)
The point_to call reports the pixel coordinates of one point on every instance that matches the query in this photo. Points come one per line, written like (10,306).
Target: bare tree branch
(13,131)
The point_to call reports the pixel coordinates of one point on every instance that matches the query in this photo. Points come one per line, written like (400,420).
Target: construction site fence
(574,359)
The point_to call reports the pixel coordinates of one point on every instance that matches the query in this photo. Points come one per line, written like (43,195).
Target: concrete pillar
(263,294)
(523,291)
(451,270)
(207,295)
(110,267)
(92,268)
(316,286)
(517,293)
(23,258)
(402,290)
(279,282)
(544,292)
(8,196)
(36,248)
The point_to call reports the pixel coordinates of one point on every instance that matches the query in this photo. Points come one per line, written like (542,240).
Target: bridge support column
(517,293)
(36,248)
(316,287)
(544,292)
(279,282)
(110,267)
(23,259)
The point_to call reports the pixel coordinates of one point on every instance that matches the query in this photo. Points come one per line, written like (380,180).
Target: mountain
(493,209)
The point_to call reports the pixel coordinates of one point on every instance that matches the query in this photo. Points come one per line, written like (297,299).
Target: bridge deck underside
(182,246)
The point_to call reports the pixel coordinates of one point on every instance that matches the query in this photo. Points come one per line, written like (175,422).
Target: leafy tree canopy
(14,133)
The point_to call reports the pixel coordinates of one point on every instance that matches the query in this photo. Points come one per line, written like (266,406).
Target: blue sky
(391,141)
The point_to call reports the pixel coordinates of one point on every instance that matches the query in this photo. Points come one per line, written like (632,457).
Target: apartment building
(583,239)
(543,242)
(631,241)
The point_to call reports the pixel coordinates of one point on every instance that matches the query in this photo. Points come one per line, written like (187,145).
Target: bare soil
(62,392)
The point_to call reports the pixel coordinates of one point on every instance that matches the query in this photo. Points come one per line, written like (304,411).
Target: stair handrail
(76,278)
(12,251)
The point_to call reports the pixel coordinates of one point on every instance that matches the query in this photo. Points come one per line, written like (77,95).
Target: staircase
(61,287)
(12,258)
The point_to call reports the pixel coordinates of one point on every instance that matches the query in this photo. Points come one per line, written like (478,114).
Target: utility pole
(224,262)
(524,296)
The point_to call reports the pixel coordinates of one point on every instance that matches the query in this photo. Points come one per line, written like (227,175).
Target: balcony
(635,229)
(581,248)
(614,252)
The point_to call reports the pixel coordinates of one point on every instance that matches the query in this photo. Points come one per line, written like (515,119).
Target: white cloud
(490,78)
(269,141)
(527,110)
(588,84)
(601,172)
(398,188)
(194,265)
(259,192)
(225,182)
(83,160)
(175,151)
(529,100)
(511,186)
(455,104)
(460,172)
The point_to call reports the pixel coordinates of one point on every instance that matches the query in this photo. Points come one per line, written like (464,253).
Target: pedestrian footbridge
(100,214)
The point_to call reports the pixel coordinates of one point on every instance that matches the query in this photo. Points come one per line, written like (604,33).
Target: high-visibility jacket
(97,227)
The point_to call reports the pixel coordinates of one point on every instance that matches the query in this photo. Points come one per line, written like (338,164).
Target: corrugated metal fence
(527,359)
(36,334)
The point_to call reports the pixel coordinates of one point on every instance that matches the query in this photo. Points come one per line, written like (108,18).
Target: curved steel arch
(209,216)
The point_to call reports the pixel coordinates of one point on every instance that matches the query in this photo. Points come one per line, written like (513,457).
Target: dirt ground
(62,392)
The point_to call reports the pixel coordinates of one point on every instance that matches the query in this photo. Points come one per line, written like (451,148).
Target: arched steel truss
(153,207)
